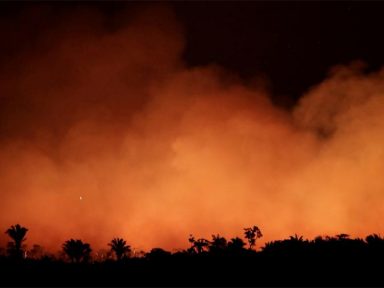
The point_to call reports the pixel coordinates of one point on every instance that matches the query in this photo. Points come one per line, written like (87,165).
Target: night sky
(292,45)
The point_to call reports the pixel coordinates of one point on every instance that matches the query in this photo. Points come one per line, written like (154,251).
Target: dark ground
(248,269)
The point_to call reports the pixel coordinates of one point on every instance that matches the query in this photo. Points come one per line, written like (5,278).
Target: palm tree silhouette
(251,234)
(120,248)
(296,238)
(236,244)
(198,245)
(17,233)
(77,251)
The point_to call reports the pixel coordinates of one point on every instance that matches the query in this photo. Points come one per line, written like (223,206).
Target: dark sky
(292,44)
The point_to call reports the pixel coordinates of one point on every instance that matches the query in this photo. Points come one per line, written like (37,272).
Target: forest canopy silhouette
(323,260)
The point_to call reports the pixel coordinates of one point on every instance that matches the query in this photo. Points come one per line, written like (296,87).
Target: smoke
(104,132)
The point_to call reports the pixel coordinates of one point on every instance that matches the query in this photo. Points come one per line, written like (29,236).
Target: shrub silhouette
(375,240)
(120,248)
(158,254)
(294,246)
(77,251)
(37,252)
(17,234)
(218,244)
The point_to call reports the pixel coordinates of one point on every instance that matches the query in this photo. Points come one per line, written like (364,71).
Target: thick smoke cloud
(103,108)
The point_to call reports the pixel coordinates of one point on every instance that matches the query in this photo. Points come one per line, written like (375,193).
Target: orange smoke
(157,151)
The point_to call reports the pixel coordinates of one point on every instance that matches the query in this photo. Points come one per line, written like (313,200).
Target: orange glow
(108,134)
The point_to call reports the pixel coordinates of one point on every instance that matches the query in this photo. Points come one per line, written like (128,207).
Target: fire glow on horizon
(105,133)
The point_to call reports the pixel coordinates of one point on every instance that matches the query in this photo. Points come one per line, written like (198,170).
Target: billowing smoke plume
(104,132)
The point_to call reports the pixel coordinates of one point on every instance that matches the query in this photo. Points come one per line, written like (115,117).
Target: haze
(107,111)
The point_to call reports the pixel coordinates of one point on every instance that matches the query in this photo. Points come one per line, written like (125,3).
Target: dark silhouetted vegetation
(120,248)
(251,234)
(17,234)
(77,251)
(199,245)
(325,260)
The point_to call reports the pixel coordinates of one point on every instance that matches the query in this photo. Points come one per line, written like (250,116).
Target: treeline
(331,260)
(77,251)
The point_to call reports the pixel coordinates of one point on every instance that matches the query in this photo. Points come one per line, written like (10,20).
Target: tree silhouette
(77,251)
(236,245)
(375,245)
(374,239)
(251,234)
(218,244)
(199,245)
(342,236)
(17,234)
(296,238)
(120,248)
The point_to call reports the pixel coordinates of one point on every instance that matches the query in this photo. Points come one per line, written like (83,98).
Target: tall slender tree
(120,248)
(17,234)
